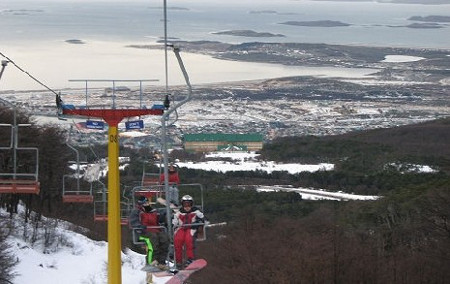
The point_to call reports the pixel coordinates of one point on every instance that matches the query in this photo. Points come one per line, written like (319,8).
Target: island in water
(271,12)
(323,23)
(75,41)
(431,18)
(248,33)
(424,26)
(264,12)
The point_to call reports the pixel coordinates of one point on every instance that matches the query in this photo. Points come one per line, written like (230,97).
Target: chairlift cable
(31,76)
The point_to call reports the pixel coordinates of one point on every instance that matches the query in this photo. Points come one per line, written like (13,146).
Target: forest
(277,237)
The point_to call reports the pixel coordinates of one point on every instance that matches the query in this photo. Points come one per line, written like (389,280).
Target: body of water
(371,23)
(34,34)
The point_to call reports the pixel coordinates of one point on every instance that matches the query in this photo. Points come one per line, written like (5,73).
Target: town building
(206,142)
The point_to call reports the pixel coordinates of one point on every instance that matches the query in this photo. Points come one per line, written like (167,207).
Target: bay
(35,35)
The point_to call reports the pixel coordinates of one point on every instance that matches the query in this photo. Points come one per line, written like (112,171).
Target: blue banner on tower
(137,124)
(93,124)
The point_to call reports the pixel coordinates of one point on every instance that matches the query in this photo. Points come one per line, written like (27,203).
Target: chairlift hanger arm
(176,50)
(4,63)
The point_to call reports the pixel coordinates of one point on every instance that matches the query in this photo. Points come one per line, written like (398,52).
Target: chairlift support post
(113,117)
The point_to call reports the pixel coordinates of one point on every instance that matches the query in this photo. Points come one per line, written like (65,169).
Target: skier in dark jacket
(147,222)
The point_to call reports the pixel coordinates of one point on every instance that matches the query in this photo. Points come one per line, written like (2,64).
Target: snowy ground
(72,258)
(246,162)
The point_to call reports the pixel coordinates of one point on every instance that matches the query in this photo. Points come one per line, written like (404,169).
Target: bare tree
(7,261)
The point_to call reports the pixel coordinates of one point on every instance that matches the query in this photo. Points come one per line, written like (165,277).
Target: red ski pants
(183,237)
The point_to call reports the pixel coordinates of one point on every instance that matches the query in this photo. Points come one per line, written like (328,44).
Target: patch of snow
(412,168)
(318,194)
(74,259)
(132,134)
(401,58)
(245,161)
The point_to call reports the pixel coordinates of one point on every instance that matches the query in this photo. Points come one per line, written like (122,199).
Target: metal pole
(114,94)
(15,143)
(140,94)
(163,131)
(86,92)
(165,47)
(114,229)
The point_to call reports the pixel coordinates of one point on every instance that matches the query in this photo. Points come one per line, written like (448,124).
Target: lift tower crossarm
(112,116)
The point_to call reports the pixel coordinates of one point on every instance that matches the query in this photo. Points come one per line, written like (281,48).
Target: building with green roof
(208,142)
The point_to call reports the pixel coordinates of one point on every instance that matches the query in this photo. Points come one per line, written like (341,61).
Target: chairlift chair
(149,179)
(82,191)
(16,181)
(101,207)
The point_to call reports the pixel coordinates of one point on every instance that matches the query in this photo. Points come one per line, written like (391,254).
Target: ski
(182,275)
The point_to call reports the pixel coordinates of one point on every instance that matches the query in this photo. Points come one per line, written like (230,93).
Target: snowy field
(247,162)
(72,258)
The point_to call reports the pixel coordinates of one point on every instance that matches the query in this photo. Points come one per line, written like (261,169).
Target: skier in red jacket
(174,180)
(186,222)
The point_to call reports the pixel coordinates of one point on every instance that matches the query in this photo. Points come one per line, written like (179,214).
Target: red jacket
(182,219)
(173,178)
(150,219)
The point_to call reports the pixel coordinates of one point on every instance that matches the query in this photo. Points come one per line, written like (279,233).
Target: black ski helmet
(142,200)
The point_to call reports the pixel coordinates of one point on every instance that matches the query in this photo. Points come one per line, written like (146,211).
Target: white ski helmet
(187,198)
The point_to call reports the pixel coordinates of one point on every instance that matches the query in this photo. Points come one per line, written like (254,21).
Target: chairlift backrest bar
(113,81)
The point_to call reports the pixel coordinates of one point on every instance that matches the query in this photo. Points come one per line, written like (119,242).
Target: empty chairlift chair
(20,165)
(76,189)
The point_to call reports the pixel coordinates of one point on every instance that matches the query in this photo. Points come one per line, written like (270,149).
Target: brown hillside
(429,138)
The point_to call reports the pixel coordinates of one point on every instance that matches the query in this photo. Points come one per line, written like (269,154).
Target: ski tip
(197,264)
(202,261)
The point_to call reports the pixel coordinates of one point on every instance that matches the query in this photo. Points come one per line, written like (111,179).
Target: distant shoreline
(240,62)
(422,2)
